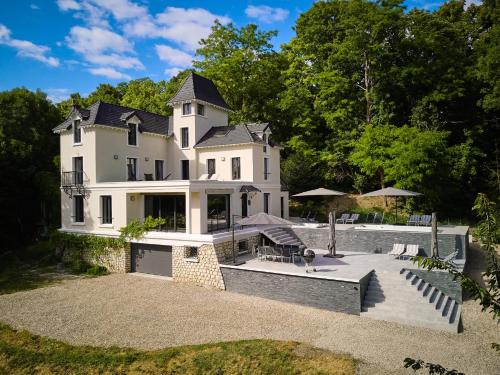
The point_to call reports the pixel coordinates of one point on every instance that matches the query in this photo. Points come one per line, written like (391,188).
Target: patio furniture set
(400,250)
(348,218)
(280,253)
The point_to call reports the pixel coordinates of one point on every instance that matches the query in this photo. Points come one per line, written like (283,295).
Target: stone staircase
(405,298)
(282,236)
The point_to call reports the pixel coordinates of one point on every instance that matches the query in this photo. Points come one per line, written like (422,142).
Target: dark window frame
(78,170)
(266,202)
(211,170)
(186,109)
(200,109)
(132,177)
(159,172)
(185,137)
(266,169)
(185,169)
(236,168)
(132,134)
(106,209)
(78,209)
(77,132)
(264,138)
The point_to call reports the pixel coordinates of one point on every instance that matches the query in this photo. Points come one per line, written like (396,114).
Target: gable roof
(201,88)
(231,135)
(115,116)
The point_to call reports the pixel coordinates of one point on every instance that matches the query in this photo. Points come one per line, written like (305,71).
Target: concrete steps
(405,298)
(282,236)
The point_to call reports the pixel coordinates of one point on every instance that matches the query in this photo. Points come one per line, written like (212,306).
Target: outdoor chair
(262,252)
(297,252)
(148,176)
(352,219)
(343,218)
(372,217)
(286,254)
(312,218)
(276,253)
(425,220)
(450,257)
(413,220)
(397,250)
(411,251)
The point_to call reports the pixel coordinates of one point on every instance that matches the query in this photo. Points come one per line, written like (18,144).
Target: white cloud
(34,6)
(114,59)
(56,95)
(96,39)
(171,72)
(468,3)
(109,73)
(184,26)
(266,14)
(173,56)
(122,9)
(26,48)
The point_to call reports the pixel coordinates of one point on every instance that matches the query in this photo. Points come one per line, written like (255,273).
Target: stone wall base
(115,261)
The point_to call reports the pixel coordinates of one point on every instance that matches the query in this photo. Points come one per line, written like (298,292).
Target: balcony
(73,182)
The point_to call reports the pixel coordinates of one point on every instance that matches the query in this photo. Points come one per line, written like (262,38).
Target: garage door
(152,259)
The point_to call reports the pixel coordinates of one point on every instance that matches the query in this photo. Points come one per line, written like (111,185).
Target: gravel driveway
(141,312)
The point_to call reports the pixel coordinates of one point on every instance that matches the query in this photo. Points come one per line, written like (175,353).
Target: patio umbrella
(264,219)
(392,192)
(434,238)
(320,192)
(258,219)
(332,243)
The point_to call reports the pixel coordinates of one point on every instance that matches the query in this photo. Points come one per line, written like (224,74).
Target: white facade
(105,153)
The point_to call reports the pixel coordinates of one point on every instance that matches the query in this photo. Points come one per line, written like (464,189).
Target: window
(191,252)
(106,210)
(77,132)
(184,137)
(266,203)
(78,216)
(218,212)
(186,109)
(132,169)
(170,207)
(235,168)
(282,206)
(78,170)
(264,138)
(266,168)
(185,169)
(132,134)
(210,167)
(159,170)
(201,109)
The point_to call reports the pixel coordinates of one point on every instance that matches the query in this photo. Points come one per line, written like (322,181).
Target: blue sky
(65,46)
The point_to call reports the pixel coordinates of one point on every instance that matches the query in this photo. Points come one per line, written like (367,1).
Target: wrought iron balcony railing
(73,182)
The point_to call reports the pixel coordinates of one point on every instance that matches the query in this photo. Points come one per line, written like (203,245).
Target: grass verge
(22,352)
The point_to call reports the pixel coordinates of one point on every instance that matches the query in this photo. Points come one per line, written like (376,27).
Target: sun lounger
(411,251)
(397,250)
(425,220)
(450,257)
(413,220)
(352,219)
(343,218)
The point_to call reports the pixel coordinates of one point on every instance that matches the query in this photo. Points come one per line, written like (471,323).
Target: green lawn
(22,352)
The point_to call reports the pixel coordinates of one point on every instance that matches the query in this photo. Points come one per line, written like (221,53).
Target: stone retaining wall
(115,261)
(204,270)
(368,241)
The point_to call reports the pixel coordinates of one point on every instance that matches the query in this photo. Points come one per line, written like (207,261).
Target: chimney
(74,104)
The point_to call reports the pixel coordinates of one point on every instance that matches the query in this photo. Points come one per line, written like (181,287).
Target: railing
(72,178)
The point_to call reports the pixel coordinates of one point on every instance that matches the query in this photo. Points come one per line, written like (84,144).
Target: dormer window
(132,134)
(77,132)
(186,109)
(200,109)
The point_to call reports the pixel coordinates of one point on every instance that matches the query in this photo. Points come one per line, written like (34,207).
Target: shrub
(97,271)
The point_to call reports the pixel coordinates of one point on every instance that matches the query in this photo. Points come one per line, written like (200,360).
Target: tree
(30,181)
(246,70)
(106,93)
(144,93)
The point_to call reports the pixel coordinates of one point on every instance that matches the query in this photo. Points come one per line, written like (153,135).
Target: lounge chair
(343,218)
(450,257)
(411,251)
(352,219)
(425,220)
(413,220)
(397,250)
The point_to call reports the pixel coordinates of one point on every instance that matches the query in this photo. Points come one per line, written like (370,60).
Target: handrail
(73,178)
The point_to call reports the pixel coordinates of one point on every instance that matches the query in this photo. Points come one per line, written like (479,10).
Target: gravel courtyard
(142,312)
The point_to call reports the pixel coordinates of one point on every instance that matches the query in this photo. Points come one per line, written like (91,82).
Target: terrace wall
(372,241)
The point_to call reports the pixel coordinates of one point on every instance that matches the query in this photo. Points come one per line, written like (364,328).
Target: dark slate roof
(230,135)
(113,115)
(201,88)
